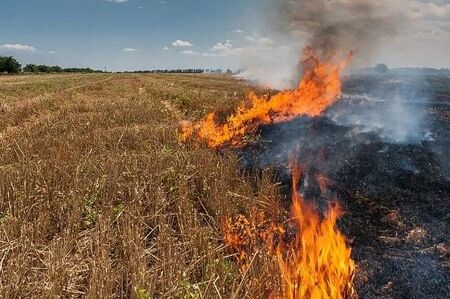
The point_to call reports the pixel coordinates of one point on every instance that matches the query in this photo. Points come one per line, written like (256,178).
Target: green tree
(30,68)
(43,69)
(9,65)
(55,69)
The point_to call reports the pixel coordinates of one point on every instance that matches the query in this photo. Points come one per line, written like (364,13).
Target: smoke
(270,66)
(326,25)
(336,25)
(394,119)
(393,106)
(392,109)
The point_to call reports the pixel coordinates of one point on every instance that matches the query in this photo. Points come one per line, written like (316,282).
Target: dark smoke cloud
(331,25)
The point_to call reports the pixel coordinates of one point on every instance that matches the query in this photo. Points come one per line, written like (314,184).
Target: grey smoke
(330,25)
(327,25)
(395,118)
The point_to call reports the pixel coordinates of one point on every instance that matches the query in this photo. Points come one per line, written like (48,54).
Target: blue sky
(134,34)
(149,34)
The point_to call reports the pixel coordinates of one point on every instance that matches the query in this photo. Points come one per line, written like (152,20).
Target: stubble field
(99,198)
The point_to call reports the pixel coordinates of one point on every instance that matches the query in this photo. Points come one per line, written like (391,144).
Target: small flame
(319,88)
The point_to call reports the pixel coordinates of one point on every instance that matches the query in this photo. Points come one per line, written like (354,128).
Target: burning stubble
(361,26)
(318,90)
(333,29)
(307,269)
(312,254)
(318,263)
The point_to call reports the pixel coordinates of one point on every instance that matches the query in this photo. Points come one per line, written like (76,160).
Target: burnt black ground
(396,194)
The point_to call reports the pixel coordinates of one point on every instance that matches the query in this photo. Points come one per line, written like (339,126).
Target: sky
(151,34)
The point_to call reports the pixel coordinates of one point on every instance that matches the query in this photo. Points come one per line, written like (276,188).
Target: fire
(315,263)
(313,258)
(318,89)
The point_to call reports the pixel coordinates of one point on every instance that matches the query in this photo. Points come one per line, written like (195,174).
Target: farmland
(99,199)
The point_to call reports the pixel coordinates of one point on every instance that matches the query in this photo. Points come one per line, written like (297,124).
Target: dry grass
(99,199)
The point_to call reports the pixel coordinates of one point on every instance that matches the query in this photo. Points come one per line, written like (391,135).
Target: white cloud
(209,55)
(223,49)
(51,52)
(129,50)
(117,1)
(182,43)
(190,53)
(18,47)
(166,48)
(239,31)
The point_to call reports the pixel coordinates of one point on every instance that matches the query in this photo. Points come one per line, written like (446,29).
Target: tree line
(10,65)
(33,68)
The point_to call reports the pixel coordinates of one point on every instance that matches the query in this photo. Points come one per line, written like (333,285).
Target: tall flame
(318,89)
(315,264)
(318,263)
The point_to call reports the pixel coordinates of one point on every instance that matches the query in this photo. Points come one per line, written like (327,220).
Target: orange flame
(319,88)
(318,263)
(315,264)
